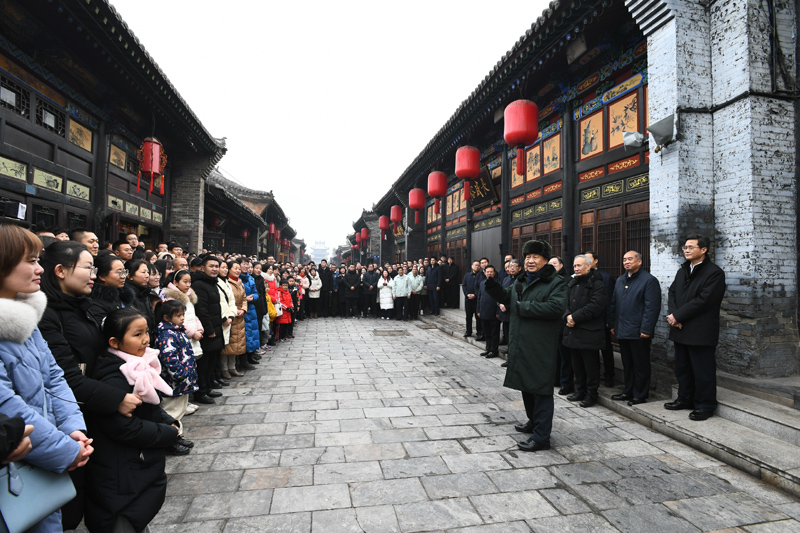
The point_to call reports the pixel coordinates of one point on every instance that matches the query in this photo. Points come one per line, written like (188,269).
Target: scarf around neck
(144,373)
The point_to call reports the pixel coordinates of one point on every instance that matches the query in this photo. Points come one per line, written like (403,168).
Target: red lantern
(521,128)
(416,201)
(383,224)
(468,166)
(437,186)
(364,234)
(396,215)
(277,234)
(358,237)
(152,161)
(272,228)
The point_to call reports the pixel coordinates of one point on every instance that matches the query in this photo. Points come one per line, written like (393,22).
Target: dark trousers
(369,305)
(325,302)
(471,309)
(506,328)
(206,366)
(334,309)
(401,307)
(696,372)
(491,329)
(454,295)
(352,307)
(433,297)
(586,365)
(608,357)
(413,306)
(565,376)
(636,366)
(539,409)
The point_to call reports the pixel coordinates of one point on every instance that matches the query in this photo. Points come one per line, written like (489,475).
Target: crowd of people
(104,350)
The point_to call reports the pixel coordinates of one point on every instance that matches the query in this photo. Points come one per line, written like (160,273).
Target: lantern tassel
(139,181)
(416,217)
(162,184)
(395,227)
(520,161)
(466,191)
(383,235)
(436,206)
(151,184)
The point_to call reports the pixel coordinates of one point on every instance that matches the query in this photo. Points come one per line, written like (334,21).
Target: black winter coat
(125,475)
(208,310)
(141,302)
(75,339)
(326,277)
(370,278)
(453,274)
(261,303)
(471,283)
(694,300)
(635,306)
(434,278)
(505,316)
(351,280)
(106,299)
(586,302)
(487,306)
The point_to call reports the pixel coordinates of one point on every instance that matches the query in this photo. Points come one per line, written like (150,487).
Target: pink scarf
(144,373)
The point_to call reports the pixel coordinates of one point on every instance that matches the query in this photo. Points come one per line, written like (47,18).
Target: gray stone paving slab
(347,472)
(212,526)
(575,474)
(654,517)
(511,506)
(521,479)
(489,444)
(312,456)
(204,483)
(379,518)
(374,452)
(458,485)
(389,492)
(398,435)
(508,527)
(286,523)
(475,462)
(314,498)
(347,438)
(414,467)
(579,523)
(275,477)
(338,521)
(436,447)
(282,442)
(599,497)
(453,432)
(229,505)
(442,514)
(724,511)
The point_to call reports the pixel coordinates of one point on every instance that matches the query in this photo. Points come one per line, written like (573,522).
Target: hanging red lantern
(358,237)
(152,161)
(245,234)
(383,224)
(364,234)
(277,234)
(521,128)
(468,167)
(396,215)
(416,201)
(272,228)
(437,187)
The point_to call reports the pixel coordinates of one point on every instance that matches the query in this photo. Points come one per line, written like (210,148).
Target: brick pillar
(187,210)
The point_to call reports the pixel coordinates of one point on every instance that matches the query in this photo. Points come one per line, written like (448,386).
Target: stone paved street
(378,426)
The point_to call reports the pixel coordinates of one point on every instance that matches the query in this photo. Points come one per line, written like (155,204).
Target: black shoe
(468,334)
(677,405)
(504,365)
(177,449)
(215,385)
(203,398)
(589,402)
(700,415)
(480,338)
(609,382)
(184,442)
(491,355)
(637,401)
(532,446)
(252,360)
(525,428)
(258,357)
(563,391)
(214,394)
(224,382)
(484,354)
(621,397)
(576,397)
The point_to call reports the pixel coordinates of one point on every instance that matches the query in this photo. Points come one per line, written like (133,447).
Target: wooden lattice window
(51,118)
(14,97)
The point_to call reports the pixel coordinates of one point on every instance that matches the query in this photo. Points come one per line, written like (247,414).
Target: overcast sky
(325,103)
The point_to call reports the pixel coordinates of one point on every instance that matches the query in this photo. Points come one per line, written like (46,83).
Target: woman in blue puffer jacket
(32,385)
(251,325)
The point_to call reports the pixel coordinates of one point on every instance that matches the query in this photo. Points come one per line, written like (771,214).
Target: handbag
(29,494)
(278,309)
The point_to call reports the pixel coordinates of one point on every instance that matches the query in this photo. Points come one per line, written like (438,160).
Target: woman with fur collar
(109,292)
(32,385)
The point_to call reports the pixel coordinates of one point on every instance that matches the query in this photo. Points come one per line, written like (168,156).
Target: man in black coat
(452,284)
(326,277)
(608,350)
(208,310)
(488,313)
(632,316)
(583,335)
(370,291)
(433,283)
(694,302)
(351,285)
(470,287)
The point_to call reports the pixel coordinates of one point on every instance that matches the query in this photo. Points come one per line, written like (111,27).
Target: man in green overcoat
(537,301)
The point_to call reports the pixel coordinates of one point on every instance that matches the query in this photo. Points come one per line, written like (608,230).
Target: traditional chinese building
(78,96)
(716,83)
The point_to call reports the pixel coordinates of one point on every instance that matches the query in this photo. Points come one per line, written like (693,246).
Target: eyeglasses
(122,273)
(690,248)
(92,269)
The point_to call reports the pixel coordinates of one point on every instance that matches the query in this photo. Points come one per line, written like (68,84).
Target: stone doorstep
(783,391)
(765,416)
(751,450)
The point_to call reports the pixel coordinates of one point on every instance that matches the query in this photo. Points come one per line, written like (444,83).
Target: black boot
(252,360)
(244,364)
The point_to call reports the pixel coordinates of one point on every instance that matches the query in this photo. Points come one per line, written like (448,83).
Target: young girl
(285,320)
(177,365)
(126,479)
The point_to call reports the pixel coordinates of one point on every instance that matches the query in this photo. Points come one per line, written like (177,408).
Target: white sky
(325,103)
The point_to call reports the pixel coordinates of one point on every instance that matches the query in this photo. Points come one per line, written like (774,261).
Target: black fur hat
(542,248)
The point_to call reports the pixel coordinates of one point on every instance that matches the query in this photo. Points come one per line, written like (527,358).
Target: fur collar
(112,294)
(21,316)
(173,293)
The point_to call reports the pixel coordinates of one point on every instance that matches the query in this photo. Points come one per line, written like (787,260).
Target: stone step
(769,418)
(756,451)
(783,391)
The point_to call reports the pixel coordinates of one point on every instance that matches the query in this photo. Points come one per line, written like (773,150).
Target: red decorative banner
(533,194)
(591,174)
(624,164)
(553,187)
(518,200)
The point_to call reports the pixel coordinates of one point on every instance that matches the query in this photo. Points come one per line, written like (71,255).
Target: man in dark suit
(433,283)
(209,312)
(694,302)
(470,288)
(451,281)
(326,277)
(608,350)
(488,313)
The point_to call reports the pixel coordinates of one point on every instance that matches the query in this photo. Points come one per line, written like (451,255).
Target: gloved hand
(519,287)
(491,282)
